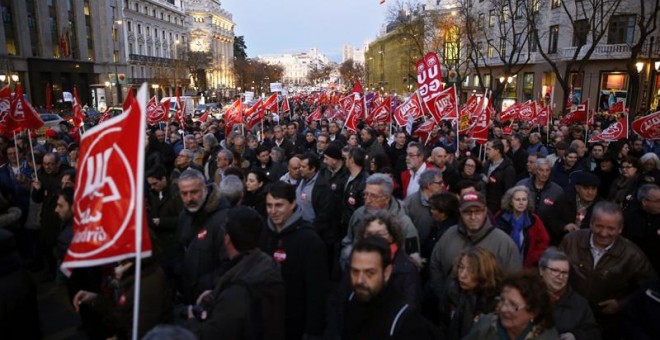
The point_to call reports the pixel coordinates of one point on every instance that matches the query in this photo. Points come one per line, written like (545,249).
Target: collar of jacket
(214,201)
(480,235)
(293,220)
(583,242)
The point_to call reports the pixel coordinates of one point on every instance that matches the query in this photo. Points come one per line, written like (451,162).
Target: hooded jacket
(455,239)
(246,303)
(302,257)
(201,247)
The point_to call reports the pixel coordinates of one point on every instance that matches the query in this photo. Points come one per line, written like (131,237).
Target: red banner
(271,103)
(542,115)
(21,112)
(429,76)
(285,105)
(109,215)
(346,103)
(617,107)
(510,113)
(423,131)
(444,105)
(579,115)
(411,107)
(648,127)
(78,114)
(479,131)
(316,115)
(527,111)
(157,112)
(382,113)
(616,131)
(357,87)
(254,115)
(355,114)
(233,115)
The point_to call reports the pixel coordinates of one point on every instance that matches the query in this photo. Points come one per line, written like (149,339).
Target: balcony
(601,52)
(149,59)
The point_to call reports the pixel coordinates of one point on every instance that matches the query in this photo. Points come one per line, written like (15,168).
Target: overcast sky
(291,26)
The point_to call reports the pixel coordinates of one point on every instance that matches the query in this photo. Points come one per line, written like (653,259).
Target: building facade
(297,66)
(355,53)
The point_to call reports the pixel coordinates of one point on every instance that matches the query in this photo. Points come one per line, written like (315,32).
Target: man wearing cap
(473,230)
(574,209)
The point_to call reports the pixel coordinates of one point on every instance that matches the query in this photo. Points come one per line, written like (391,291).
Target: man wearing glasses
(606,268)
(473,229)
(415,162)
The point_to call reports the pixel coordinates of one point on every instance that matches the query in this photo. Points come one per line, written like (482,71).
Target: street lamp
(640,66)
(14,77)
(3,77)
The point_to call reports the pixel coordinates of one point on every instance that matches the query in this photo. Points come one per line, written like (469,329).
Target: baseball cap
(471,199)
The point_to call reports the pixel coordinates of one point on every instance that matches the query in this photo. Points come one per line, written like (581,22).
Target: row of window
(151,11)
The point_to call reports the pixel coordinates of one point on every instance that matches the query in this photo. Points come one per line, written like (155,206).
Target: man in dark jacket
(352,197)
(544,193)
(375,310)
(200,235)
(336,174)
(370,144)
(642,223)
(302,256)
(279,140)
(247,302)
(518,156)
(314,197)
(273,170)
(563,170)
(500,172)
(574,209)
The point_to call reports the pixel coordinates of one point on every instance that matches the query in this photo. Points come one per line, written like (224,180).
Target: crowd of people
(302,229)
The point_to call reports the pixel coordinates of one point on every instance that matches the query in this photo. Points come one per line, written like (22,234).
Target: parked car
(50,120)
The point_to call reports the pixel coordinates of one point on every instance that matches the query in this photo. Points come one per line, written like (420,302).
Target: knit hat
(333,152)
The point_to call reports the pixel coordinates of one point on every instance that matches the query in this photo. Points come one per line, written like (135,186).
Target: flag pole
(586,125)
(34,162)
(142,101)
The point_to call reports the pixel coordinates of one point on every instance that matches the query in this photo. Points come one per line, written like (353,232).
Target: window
(129,26)
(555,3)
(553,39)
(533,43)
(505,13)
(480,22)
(491,18)
(520,9)
(502,46)
(480,49)
(517,42)
(580,32)
(621,30)
(536,5)
(491,49)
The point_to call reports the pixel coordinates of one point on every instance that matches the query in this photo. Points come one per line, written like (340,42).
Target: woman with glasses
(523,312)
(517,218)
(573,317)
(470,292)
(625,186)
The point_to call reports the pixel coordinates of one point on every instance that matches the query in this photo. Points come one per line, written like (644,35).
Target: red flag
(479,131)
(617,107)
(271,103)
(423,131)
(155,112)
(616,131)
(49,97)
(648,127)
(542,115)
(233,115)
(444,105)
(346,103)
(316,115)
(429,76)
(527,111)
(109,220)
(331,113)
(180,113)
(6,122)
(255,114)
(23,115)
(78,114)
(510,113)
(285,105)
(105,115)
(579,115)
(411,107)
(357,88)
(355,114)
(381,113)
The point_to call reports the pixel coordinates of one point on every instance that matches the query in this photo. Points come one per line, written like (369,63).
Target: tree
(319,73)
(240,47)
(350,72)
(590,20)
(198,62)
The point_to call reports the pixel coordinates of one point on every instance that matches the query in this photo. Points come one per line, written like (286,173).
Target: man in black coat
(642,223)
(301,253)
(247,302)
(500,172)
(375,310)
(279,140)
(201,251)
(574,209)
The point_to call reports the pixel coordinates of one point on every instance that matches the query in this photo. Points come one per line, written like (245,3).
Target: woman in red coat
(517,218)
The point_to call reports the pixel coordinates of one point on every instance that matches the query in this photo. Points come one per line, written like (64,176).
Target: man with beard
(375,310)
(370,144)
(200,249)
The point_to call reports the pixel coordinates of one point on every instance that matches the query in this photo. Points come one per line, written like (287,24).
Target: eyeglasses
(371,195)
(557,272)
(501,303)
(412,155)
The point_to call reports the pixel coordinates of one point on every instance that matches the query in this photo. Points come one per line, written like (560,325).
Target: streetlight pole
(116,53)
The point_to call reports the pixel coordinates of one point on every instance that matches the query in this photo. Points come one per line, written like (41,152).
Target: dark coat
(642,228)
(302,257)
(167,210)
(566,213)
(256,200)
(352,198)
(386,316)
(499,181)
(572,314)
(563,176)
(246,303)
(458,309)
(337,182)
(322,201)
(201,246)
(519,161)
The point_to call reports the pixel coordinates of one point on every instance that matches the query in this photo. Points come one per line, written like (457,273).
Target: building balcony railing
(601,51)
(149,59)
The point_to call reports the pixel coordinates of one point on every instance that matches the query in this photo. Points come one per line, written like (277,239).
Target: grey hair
(210,139)
(231,188)
(385,181)
(192,174)
(227,154)
(650,156)
(508,196)
(644,191)
(188,153)
(552,254)
(542,161)
(428,177)
(189,137)
(606,207)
